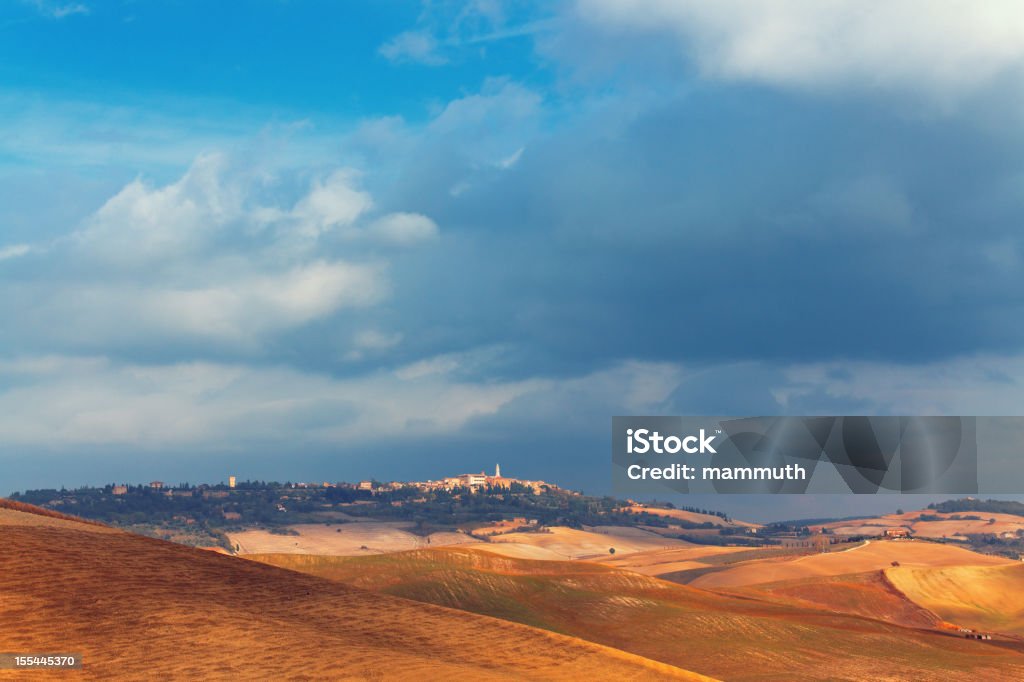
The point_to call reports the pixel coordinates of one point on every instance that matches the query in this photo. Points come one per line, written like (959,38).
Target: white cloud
(439,365)
(239,310)
(413,46)
(500,107)
(331,203)
(56,10)
(61,11)
(485,131)
(511,160)
(373,339)
(14,251)
(985,384)
(208,258)
(403,229)
(61,401)
(94,401)
(941,48)
(143,224)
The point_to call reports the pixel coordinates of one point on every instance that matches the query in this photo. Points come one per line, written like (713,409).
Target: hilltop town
(206,514)
(478,506)
(468,482)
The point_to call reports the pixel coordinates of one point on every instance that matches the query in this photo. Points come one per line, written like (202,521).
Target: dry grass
(138,608)
(724,636)
(662,561)
(347,539)
(867,594)
(691,517)
(945,526)
(988,598)
(873,556)
(569,543)
(13,506)
(379,537)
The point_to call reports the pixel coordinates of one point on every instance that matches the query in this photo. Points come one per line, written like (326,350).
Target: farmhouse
(899,532)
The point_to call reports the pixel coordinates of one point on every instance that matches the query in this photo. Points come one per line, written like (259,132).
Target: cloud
(209,258)
(413,46)
(58,10)
(61,11)
(944,49)
(61,401)
(238,309)
(634,260)
(14,251)
(142,224)
(333,202)
(376,340)
(865,203)
(442,364)
(500,104)
(403,229)
(511,160)
(76,401)
(446,30)
(472,138)
(984,384)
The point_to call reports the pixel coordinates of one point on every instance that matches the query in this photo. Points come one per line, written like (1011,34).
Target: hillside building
(896,533)
(473,480)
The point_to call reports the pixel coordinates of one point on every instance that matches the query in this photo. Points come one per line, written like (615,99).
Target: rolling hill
(867,594)
(381,537)
(140,608)
(661,561)
(872,556)
(724,636)
(560,543)
(987,598)
(689,516)
(932,524)
(348,539)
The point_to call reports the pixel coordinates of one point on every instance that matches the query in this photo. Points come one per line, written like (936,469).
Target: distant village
(201,514)
(468,482)
(474,503)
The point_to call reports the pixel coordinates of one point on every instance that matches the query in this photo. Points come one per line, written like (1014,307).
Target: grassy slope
(867,594)
(944,525)
(989,598)
(719,635)
(140,608)
(874,556)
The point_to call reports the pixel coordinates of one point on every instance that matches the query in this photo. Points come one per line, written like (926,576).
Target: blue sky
(397,239)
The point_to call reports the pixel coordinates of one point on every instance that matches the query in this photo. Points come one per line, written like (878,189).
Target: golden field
(139,608)
(874,555)
(725,636)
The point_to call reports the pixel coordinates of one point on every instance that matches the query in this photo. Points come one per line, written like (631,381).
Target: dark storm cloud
(728,225)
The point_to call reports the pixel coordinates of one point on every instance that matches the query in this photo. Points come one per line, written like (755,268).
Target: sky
(301,240)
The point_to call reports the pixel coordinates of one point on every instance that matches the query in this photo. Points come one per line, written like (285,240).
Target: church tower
(497,471)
